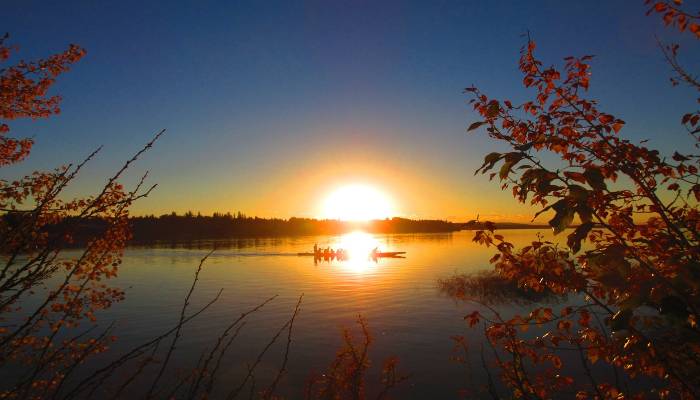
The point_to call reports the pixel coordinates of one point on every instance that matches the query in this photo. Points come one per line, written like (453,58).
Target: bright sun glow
(358,203)
(358,245)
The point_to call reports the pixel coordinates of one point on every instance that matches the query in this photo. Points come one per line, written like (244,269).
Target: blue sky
(268,105)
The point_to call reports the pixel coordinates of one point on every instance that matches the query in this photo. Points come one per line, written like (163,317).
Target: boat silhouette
(341,254)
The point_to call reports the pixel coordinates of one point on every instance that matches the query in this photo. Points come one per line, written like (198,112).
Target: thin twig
(171,349)
(269,392)
(234,393)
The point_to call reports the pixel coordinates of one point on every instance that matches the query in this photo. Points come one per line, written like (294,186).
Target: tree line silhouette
(191,226)
(220,225)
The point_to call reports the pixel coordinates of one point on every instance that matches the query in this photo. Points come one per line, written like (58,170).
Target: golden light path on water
(358,245)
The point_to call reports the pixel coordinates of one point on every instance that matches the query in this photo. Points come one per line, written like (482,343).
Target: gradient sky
(270,105)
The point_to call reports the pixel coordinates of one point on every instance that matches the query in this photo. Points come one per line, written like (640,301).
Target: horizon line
(239,214)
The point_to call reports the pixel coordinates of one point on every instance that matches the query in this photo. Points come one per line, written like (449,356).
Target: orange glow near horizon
(357,202)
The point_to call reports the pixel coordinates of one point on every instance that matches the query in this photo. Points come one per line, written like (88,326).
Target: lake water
(407,314)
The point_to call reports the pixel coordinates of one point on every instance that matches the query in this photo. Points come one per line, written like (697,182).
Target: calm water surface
(406,312)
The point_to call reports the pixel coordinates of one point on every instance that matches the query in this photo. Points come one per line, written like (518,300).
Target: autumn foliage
(633,240)
(24,94)
(45,338)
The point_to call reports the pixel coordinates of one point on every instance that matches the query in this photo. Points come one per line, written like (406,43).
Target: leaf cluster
(633,235)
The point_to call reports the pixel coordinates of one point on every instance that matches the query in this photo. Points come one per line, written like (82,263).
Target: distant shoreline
(191,227)
(188,227)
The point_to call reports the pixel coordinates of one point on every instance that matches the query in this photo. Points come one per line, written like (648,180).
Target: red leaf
(605,119)
(473,318)
(577,176)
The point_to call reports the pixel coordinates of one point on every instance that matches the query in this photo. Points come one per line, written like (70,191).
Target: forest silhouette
(191,226)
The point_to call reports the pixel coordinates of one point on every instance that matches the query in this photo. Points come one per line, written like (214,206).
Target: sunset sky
(270,106)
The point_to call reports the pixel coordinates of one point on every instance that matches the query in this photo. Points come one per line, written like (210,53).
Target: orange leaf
(617,126)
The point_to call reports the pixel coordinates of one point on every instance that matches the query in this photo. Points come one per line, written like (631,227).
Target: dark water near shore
(408,316)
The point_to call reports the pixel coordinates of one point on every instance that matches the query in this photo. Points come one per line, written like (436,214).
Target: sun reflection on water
(358,245)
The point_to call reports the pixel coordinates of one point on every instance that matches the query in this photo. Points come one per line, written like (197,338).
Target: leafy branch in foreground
(639,277)
(48,295)
(44,294)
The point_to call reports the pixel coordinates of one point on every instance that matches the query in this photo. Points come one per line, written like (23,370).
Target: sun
(357,202)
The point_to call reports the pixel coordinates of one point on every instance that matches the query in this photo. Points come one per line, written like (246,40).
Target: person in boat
(374,252)
(315,249)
